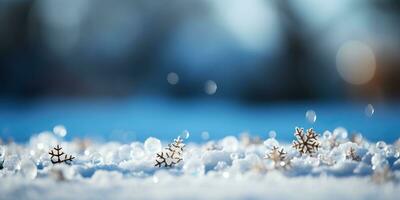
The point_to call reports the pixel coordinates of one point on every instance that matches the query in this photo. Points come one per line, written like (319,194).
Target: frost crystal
(172,155)
(278,156)
(306,143)
(56,156)
(352,155)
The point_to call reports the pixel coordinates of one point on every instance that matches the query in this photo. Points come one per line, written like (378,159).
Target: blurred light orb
(60,130)
(152,145)
(355,62)
(185,134)
(340,133)
(225,174)
(369,110)
(172,78)
(210,87)
(272,134)
(253,23)
(28,169)
(230,144)
(311,116)
(155,179)
(205,135)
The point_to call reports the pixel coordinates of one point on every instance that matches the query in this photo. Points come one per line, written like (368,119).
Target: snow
(230,168)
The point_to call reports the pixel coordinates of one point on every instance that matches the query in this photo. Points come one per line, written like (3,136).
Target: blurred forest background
(255,50)
(125,70)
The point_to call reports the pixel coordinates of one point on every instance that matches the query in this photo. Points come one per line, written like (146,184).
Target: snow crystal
(234,169)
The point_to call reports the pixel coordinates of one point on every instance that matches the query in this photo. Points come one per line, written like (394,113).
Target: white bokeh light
(210,87)
(173,78)
(60,130)
(254,23)
(355,62)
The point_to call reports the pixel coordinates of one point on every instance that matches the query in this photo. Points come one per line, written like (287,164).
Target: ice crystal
(352,155)
(278,156)
(306,143)
(172,155)
(57,156)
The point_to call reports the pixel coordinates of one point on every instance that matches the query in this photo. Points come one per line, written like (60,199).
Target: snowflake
(278,156)
(56,156)
(306,143)
(351,154)
(177,146)
(172,155)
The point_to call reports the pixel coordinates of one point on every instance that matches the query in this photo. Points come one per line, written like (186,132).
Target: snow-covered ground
(231,168)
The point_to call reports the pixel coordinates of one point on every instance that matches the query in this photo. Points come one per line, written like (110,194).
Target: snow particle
(234,156)
(28,169)
(381,145)
(210,87)
(311,116)
(137,152)
(230,144)
(96,158)
(397,154)
(124,152)
(152,145)
(12,163)
(271,143)
(172,78)
(194,167)
(326,135)
(60,130)
(155,179)
(369,110)
(225,174)
(340,133)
